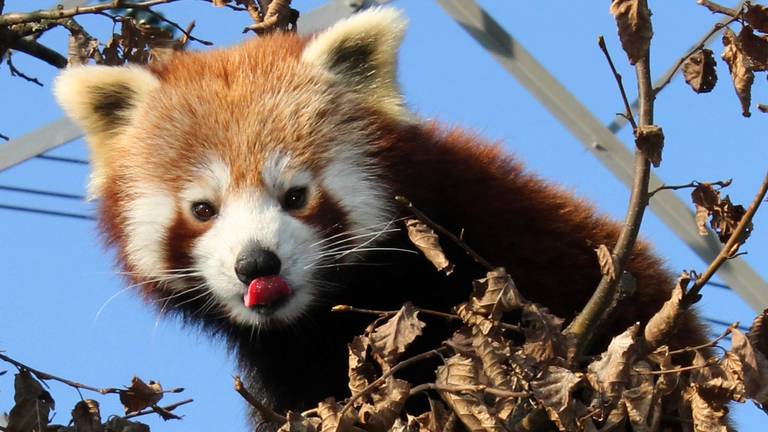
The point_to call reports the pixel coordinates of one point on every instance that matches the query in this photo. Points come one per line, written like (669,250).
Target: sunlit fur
(238,127)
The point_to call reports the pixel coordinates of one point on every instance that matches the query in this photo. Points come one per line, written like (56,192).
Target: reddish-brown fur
(543,236)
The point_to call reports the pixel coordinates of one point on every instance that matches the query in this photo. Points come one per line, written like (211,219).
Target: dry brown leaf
(611,371)
(740,68)
(474,320)
(754,367)
(755,48)
(639,398)
(664,322)
(119,424)
(543,339)
(650,140)
(298,423)
(428,243)
(220,3)
(392,338)
(360,370)
(140,395)
(666,383)
(411,424)
(87,417)
(380,416)
(707,416)
(725,216)
(757,17)
(470,409)
(705,198)
(496,294)
(605,259)
(634,22)
(700,72)
(436,418)
(493,356)
(554,391)
(33,404)
(758,333)
(328,410)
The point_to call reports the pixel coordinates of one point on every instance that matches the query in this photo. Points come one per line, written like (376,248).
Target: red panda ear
(362,52)
(101,100)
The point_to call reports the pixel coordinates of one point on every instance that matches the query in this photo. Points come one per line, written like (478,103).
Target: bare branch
(16,72)
(693,184)
(347,308)
(716,8)
(55,14)
(151,410)
(40,51)
(628,109)
(584,326)
(265,411)
(468,389)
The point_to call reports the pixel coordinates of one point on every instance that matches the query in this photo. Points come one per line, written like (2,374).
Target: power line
(46,212)
(63,159)
(42,192)
(725,324)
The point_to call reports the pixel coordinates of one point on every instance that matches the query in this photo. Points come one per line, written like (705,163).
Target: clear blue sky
(56,275)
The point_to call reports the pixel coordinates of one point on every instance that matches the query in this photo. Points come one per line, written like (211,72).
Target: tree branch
(716,8)
(152,410)
(265,411)
(693,184)
(628,109)
(584,326)
(20,18)
(39,51)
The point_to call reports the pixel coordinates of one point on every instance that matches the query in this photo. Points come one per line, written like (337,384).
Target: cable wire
(46,212)
(63,159)
(42,192)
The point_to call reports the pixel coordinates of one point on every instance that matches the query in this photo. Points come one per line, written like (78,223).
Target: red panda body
(279,159)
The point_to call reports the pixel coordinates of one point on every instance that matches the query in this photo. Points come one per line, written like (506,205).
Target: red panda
(249,189)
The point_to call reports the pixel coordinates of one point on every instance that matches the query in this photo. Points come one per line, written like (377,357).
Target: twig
(265,411)
(730,247)
(20,18)
(762,108)
(4,137)
(152,410)
(439,228)
(709,344)
(628,109)
(376,383)
(693,184)
(716,8)
(44,376)
(584,326)
(709,362)
(186,32)
(17,73)
(450,316)
(468,389)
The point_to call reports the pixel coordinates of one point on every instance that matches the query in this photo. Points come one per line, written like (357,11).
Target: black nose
(254,262)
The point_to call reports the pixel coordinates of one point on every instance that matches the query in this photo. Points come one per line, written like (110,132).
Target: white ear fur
(362,52)
(101,99)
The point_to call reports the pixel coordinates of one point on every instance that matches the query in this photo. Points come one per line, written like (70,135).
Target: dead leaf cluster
(34,404)
(745,53)
(720,214)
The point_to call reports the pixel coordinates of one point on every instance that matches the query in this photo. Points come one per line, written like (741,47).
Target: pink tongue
(265,290)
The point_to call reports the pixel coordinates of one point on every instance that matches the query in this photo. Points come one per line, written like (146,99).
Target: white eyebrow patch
(279,175)
(208,182)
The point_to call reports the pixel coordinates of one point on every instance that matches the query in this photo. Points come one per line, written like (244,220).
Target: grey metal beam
(38,141)
(599,141)
(63,131)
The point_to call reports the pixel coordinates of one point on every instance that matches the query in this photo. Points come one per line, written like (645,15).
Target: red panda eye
(203,211)
(295,198)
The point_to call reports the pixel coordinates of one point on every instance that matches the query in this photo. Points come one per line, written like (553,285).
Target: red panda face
(228,180)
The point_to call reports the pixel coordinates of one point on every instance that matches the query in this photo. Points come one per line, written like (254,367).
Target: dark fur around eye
(295,198)
(203,210)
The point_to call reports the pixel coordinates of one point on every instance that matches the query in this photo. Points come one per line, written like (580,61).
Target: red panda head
(243,171)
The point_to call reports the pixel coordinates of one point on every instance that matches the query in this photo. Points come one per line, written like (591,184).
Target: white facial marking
(211,180)
(350,180)
(148,217)
(256,216)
